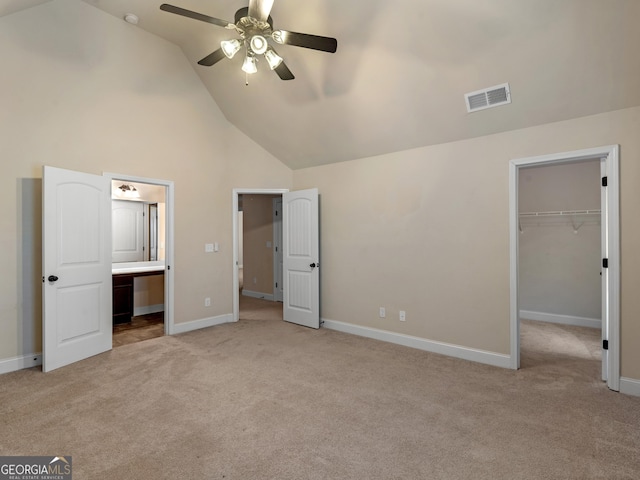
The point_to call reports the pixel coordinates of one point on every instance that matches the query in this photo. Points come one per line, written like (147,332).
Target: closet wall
(559,255)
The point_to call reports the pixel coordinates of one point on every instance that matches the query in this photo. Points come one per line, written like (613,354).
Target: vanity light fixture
(128,191)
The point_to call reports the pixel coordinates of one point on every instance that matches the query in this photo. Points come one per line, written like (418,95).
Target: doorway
(258,242)
(142,222)
(300,253)
(579,217)
(560,267)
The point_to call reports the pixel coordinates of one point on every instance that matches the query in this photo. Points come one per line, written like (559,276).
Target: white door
(127,220)
(76,258)
(301,258)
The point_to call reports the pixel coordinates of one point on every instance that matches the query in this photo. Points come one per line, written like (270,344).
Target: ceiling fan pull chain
(246,79)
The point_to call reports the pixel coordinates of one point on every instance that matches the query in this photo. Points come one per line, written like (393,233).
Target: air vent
(488,97)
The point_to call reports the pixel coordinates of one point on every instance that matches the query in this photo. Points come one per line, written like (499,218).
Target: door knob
(52,278)
(313,265)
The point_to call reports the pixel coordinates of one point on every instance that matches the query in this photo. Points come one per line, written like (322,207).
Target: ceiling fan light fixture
(230,47)
(249,65)
(258,44)
(273,59)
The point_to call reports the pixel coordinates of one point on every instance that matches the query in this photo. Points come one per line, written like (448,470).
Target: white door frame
(234,216)
(277,253)
(611,224)
(169,328)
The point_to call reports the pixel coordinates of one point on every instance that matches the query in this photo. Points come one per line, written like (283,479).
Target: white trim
(147,309)
(202,323)
(629,386)
(169,242)
(562,319)
(514,228)
(457,351)
(264,296)
(610,155)
(234,217)
(613,271)
(18,363)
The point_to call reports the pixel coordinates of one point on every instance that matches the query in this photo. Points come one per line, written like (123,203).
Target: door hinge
(605,263)
(604,181)
(276,284)
(605,344)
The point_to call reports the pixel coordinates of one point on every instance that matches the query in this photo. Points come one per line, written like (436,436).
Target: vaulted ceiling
(402,68)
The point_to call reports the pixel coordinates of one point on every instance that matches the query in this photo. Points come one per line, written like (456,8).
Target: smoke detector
(488,98)
(131,18)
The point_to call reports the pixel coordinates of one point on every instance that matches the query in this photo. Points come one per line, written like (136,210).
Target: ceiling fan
(255,27)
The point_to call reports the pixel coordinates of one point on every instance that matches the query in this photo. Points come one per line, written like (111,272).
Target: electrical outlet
(383,312)
(208,247)
(207,302)
(403,316)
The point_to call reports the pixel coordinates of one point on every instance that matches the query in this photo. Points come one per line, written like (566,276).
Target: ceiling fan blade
(212,58)
(260,9)
(314,42)
(195,15)
(283,72)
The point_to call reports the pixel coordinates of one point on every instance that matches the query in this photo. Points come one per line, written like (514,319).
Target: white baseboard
(465,353)
(20,362)
(147,309)
(629,386)
(563,319)
(201,323)
(265,296)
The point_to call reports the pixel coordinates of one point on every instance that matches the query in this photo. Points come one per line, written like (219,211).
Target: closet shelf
(574,218)
(559,213)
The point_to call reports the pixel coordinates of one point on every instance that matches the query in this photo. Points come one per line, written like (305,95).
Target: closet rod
(560,213)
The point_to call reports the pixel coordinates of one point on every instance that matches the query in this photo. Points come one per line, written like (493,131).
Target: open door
(76,258)
(301,258)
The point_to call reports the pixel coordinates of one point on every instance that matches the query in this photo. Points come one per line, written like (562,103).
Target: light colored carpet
(265,399)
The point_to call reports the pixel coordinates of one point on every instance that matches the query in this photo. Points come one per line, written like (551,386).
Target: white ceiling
(402,68)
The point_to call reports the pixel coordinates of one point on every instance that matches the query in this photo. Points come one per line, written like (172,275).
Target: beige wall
(427,231)
(148,291)
(83,90)
(257,235)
